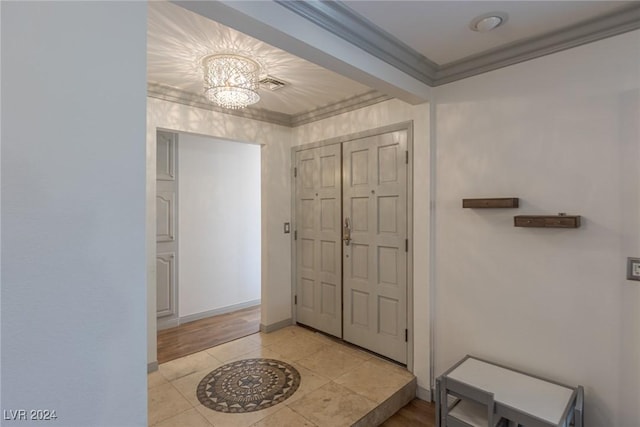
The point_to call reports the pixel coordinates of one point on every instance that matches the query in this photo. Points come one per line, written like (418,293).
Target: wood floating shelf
(547,221)
(505,202)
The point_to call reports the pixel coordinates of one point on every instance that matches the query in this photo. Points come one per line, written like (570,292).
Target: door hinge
(295,299)
(295,235)
(406,157)
(406,245)
(295,172)
(406,335)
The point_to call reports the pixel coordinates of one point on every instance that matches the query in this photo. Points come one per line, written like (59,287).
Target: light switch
(287,228)
(633,269)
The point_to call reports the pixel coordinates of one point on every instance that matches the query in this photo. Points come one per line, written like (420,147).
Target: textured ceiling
(178,39)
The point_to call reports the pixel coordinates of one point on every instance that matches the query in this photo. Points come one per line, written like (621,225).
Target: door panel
(359,262)
(388,265)
(318,248)
(375,261)
(388,314)
(329,297)
(328,255)
(359,214)
(388,214)
(165,215)
(360,308)
(165,279)
(165,157)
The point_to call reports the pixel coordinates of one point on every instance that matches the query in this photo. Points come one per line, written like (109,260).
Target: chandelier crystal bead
(231,81)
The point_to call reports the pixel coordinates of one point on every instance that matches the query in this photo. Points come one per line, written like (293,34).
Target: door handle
(346,233)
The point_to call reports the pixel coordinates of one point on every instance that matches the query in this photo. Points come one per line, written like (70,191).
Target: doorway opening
(208,250)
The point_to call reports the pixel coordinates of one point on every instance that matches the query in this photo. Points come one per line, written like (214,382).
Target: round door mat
(248,385)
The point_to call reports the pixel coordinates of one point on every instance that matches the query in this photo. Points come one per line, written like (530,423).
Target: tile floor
(339,384)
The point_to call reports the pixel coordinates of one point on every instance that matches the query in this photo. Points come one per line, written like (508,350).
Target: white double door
(351,241)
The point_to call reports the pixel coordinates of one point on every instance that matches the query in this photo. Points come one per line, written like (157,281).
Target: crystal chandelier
(231,80)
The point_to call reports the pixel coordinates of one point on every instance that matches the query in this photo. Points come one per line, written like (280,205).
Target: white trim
(166,323)
(152,367)
(218,311)
(275,326)
(613,24)
(354,103)
(178,96)
(423,394)
(173,322)
(344,22)
(171,94)
(411,238)
(432,240)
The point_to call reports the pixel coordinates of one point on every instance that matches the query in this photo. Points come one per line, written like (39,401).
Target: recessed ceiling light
(488,21)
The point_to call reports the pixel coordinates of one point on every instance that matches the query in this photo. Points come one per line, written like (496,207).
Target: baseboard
(423,394)
(167,323)
(152,367)
(275,326)
(218,311)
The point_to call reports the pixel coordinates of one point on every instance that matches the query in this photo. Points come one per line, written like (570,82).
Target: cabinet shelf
(494,203)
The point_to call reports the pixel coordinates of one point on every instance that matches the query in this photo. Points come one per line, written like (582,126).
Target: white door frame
(408,127)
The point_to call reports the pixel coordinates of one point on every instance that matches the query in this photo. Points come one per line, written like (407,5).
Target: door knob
(346,234)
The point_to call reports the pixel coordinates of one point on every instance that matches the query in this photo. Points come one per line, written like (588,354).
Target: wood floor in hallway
(416,413)
(199,335)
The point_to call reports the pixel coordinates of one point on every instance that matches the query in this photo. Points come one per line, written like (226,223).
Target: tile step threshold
(386,409)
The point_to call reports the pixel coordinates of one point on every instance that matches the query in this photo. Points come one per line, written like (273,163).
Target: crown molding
(613,24)
(353,103)
(342,21)
(339,19)
(171,94)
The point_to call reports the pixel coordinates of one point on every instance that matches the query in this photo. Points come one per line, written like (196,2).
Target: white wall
(276,199)
(219,224)
(375,116)
(73,212)
(562,133)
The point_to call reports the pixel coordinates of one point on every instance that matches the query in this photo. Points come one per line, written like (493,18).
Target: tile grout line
(302,415)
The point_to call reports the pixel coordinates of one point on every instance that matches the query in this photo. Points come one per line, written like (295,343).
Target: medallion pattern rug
(248,385)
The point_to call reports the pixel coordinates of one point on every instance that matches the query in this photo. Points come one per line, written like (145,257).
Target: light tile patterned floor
(339,383)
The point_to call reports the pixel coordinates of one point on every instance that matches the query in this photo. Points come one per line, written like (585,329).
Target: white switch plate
(633,269)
